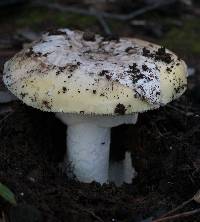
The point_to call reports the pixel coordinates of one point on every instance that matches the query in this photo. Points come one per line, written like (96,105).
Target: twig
(178,216)
(88,12)
(177,208)
(180,111)
(139,11)
(5,117)
(92,214)
(196,198)
(100,15)
(102,22)
(122,17)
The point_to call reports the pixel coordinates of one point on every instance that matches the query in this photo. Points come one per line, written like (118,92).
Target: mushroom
(93,84)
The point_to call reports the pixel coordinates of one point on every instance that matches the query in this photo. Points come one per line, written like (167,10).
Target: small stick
(102,22)
(196,198)
(177,208)
(139,11)
(92,214)
(178,216)
(102,15)
(122,17)
(179,110)
(6,117)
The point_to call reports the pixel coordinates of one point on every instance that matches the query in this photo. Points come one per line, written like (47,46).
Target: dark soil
(165,146)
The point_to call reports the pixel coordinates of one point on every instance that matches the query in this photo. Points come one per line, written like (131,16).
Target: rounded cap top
(80,72)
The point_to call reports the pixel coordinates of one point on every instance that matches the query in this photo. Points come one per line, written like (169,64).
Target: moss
(184,39)
(35,18)
(30,18)
(116,25)
(81,21)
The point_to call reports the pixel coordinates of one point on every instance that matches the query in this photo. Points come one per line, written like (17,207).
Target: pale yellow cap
(75,72)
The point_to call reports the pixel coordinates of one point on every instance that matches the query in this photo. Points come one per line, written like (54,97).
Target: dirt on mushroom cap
(138,78)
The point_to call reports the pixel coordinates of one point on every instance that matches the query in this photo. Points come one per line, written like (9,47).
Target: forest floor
(165,143)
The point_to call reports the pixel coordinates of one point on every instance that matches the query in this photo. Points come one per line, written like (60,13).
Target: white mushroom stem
(122,171)
(88,144)
(88,151)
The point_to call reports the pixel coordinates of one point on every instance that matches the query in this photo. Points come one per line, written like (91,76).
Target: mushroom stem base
(88,147)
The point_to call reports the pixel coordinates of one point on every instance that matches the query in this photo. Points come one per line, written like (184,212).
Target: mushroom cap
(80,72)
